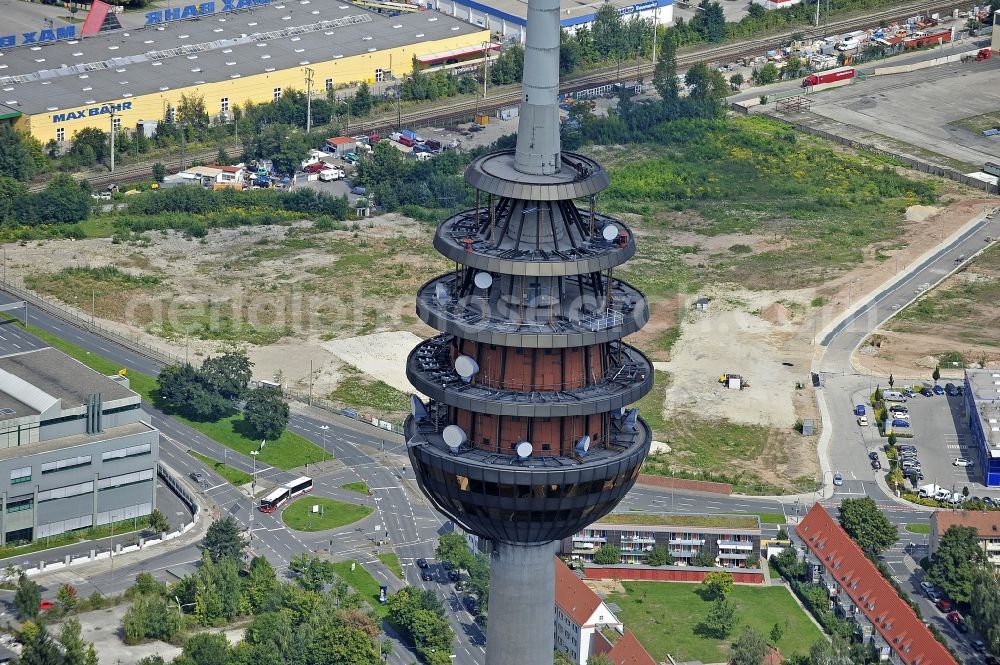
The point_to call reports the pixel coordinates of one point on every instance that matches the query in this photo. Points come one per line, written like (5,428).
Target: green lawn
(362,581)
(391,562)
(771,518)
(359,487)
(921,527)
(664,616)
(299,516)
(235,476)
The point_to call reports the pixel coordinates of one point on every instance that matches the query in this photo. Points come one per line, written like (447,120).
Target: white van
(849,44)
(893,396)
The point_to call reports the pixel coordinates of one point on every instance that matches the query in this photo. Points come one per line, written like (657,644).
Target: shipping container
(831,76)
(409,134)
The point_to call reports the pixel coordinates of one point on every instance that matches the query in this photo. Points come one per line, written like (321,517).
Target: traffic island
(312,513)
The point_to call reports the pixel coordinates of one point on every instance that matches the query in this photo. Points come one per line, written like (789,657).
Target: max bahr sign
(200,9)
(93,110)
(46,35)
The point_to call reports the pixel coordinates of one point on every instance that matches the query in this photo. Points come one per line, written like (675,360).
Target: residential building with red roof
(580,613)
(986,524)
(860,594)
(626,650)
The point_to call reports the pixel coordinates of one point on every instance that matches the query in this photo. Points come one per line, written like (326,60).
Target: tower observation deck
(528,435)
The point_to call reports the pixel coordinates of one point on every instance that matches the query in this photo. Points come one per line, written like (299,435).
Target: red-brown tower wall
(549,436)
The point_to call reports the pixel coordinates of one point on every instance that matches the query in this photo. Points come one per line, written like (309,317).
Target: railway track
(506,96)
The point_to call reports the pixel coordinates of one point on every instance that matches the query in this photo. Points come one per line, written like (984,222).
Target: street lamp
(325,428)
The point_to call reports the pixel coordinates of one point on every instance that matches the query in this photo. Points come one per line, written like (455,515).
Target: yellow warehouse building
(55,89)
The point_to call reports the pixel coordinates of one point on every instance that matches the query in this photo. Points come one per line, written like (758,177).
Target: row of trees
(63,201)
(455,548)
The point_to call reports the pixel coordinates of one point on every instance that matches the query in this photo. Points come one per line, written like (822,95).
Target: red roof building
(580,613)
(626,651)
(862,595)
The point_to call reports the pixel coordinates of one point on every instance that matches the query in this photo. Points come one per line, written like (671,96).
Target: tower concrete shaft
(538,151)
(522,586)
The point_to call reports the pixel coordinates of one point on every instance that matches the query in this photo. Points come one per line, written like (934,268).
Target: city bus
(299,486)
(272,501)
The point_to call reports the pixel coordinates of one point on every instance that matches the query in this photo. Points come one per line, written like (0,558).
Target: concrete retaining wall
(902,69)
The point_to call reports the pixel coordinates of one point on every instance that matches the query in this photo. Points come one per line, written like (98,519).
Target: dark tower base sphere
(526,436)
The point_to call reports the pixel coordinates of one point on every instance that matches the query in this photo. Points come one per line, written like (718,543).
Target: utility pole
(112,139)
(309,83)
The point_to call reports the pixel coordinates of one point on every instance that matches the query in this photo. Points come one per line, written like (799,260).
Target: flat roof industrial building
(508,18)
(56,88)
(982,411)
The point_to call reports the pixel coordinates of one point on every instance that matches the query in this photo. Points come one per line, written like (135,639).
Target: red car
(944,605)
(955,617)
(316,168)
(45,605)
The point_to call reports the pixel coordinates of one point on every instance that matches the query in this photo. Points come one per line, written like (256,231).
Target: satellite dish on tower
(417,407)
(524,450)
(483,280)
(610,232)
(454,437)
(466,367)
(583,445)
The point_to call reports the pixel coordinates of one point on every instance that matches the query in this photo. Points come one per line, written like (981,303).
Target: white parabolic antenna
(454,436)
(583,445)
(466,367)
(610,232)
(483,280)
(524,450)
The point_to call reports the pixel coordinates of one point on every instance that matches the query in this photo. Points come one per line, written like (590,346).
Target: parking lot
(940,434)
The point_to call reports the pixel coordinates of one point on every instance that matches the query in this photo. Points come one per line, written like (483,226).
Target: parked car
(951,390)
(863,421)
(359,191)
(197,476)
(899,408)
(909,393)
(938,390)
(45,605)
(470,604)
(906,447)
(426,576)
(914,475)
(859,410)
(896,422)
(447,565)
(926,587)
(873,455)
(421,563)
(979,645)
(944,605)
(838,479)
(876,465)
(962,461)
(454,576)
(926,392)
(901,415)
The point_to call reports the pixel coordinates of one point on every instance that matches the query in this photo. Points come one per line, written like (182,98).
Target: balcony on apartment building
(687,541)
(735,544)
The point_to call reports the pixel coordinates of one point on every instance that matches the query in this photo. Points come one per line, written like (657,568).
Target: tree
(765,75)
(936,374)
(985,607)
(896,477)
(720,620)
(27,598)
(363,101)
(90,144)
(39,647)
(608,555)
(708,90)
(956,562)
(610,35)
(159,172)
(867,525)
(67,597)
(206,649)
(312,572)
(892,381)
(600,659)
(228,374)
(147,585)
(158,521)
(714,20)
(223,539)
(453,547)
(16,154)
(267,412)
(736,81)
(191,111)
(665,74)
(782,533)
(717,584)
(76,651)
(703,558)
(660,556)
(262,582)
(776,632)
(752,560)
(749,648)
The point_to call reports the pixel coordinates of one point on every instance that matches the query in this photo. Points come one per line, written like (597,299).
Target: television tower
(527,436)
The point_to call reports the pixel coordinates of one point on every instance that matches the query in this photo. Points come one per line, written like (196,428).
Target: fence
(130,542)
(669,573)
(909,161)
